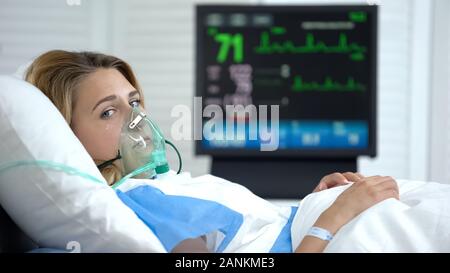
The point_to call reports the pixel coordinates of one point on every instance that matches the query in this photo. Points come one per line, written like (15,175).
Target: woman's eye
(135,103)
(107,114)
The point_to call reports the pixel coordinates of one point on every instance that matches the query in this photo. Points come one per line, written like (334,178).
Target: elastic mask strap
(50,165)
(109,162)
(180,162)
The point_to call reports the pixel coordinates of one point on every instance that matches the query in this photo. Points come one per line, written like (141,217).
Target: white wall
(157,38)
(27,28)
(439,164)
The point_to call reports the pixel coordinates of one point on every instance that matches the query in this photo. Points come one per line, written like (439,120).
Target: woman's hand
(364,194)
(349,204)
(337,179)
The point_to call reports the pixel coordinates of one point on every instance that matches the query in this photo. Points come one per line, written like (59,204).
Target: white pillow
(54,208)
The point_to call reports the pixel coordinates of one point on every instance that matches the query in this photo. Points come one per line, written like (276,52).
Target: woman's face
(101,103)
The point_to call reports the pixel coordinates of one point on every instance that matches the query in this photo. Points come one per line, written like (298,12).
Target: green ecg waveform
(311,46)
(329,85)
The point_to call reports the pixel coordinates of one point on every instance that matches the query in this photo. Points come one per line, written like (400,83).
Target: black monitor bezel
(371,149)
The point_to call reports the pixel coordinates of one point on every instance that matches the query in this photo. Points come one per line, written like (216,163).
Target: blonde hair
(57,73)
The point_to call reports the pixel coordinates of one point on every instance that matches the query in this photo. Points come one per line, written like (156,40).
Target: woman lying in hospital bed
(347,212)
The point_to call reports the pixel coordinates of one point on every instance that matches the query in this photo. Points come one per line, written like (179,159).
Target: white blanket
(419,222)
(262,221)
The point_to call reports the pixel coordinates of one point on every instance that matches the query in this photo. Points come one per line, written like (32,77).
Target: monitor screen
(286,80)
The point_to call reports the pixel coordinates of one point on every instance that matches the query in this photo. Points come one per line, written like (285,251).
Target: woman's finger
(387,185)
(381,183)
(351,177)
(319,187)
(390,193)
(373,180)
(330,181)
(334,179)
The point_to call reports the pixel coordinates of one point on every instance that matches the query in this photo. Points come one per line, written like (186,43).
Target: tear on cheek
(110,128)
